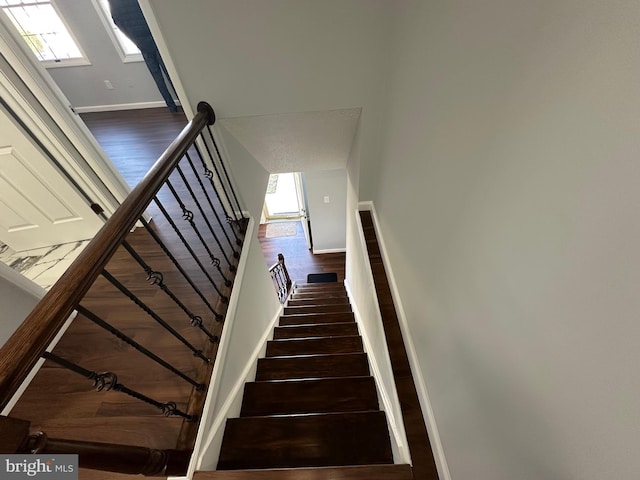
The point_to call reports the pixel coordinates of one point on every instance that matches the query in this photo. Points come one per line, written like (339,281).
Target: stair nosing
(333,337)
(316,355)
(315,379)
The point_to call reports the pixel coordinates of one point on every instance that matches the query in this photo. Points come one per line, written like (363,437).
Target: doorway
(285,200)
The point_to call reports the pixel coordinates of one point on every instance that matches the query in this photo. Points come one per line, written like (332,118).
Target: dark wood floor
(134,139)
(64,404)
(299,259)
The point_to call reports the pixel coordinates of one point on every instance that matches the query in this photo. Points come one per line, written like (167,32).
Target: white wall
(328,220)
(256,57)
(84,85)
(18,296)
(248,176)
(508,197)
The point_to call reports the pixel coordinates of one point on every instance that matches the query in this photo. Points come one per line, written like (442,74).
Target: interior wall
(508,199)
(132,82)
(252,178)
(18,296)
(327,202)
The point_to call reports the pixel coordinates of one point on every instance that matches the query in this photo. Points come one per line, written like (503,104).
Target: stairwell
(312,411)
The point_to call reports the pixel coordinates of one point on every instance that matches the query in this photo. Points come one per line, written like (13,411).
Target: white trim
(430,420)
(36,368)
(156,31)
(62,62)
(120,106)
(391,407)
(21,281)
(91,168)
(328,250)
(206,435)
(71,62)
(125,57)
(235,397)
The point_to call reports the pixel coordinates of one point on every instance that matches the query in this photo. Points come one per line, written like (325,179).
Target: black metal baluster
(281,284)
(188,216)
(220,179)
(109,381)
(223,297)
(209,174)
(236,254)
(111,329)
(204,215)
(114,281)
(168,253)
(224,169)
(156,278)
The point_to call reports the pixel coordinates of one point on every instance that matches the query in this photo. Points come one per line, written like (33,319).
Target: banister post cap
(208,109)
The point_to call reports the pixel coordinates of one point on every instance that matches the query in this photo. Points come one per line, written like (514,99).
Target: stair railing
(211,214)
(281,279)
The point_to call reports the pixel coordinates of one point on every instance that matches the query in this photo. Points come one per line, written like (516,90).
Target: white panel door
(38,205)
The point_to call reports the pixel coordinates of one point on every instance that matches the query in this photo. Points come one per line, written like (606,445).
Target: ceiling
(297,142)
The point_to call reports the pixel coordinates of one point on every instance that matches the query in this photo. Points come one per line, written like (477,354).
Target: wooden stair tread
(303,295)
(334,439)
(313,366)
(308,346)
(295,302)
(316,288)
(311,318)
(316,330)
(360,472)
(309,396)
(317,309)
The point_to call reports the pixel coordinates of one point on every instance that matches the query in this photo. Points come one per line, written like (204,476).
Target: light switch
(326,199)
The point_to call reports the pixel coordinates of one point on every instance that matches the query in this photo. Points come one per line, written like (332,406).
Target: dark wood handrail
(23,349)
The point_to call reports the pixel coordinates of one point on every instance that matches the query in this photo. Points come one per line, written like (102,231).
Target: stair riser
(366,472)
(310,319)
(317,301)
(312,346)
(316,288)
(316,366)
(312,295)
(320,309)
(307,331)
(309,396)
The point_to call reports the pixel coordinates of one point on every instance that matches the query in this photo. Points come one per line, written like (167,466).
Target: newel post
(284,269)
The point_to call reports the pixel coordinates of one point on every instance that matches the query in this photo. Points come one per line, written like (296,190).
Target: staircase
(312,412)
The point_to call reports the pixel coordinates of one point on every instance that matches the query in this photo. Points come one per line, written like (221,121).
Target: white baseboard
(223,348)
(21,281)
(231,407)
(396,425)
(432,428)
(36,368)
(120,106)
(328,250)
(209,437)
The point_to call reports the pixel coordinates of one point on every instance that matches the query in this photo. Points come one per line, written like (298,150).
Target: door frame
(305,219)
(30,92)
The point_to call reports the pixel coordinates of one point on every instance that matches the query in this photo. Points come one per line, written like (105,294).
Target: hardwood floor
(134,139)
(299,260)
